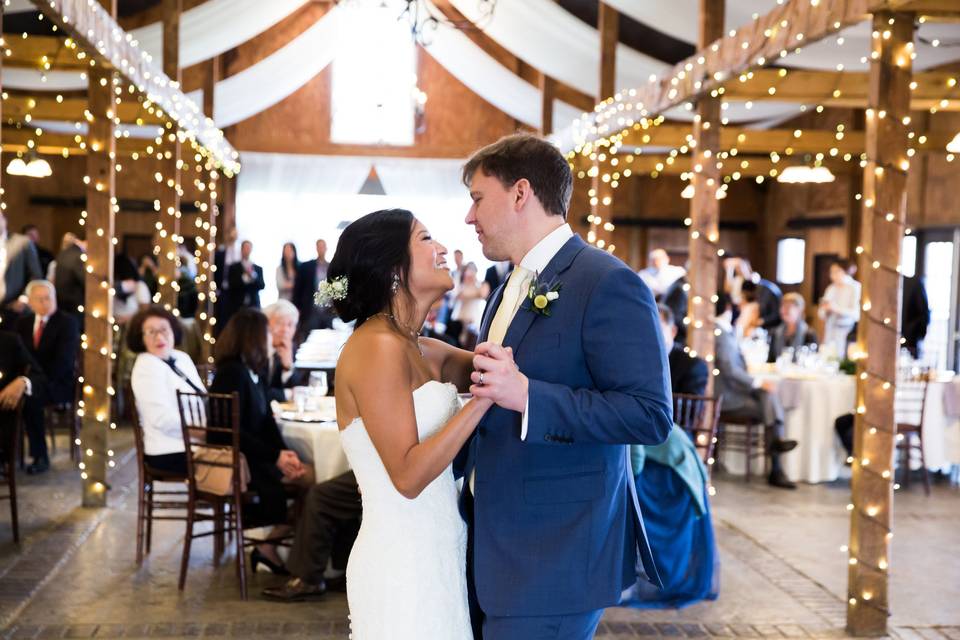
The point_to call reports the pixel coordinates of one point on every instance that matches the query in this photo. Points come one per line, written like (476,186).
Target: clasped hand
(289,464)
(497,377)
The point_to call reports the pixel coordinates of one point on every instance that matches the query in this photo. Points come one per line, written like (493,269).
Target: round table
(316,441)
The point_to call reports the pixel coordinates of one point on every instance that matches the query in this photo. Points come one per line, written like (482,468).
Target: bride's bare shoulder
(371,347)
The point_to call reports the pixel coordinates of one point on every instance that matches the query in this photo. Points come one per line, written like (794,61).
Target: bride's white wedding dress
(406,578)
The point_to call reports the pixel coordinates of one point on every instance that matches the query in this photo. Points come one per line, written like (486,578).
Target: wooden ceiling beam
(44,53)
(16,140)
(69,109)
(746,166)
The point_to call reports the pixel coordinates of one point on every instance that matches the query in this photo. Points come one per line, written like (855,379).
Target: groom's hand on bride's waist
(497,377)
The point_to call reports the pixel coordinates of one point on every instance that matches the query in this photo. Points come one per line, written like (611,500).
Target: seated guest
(747,397)
(794,332)
(671,482)
(241,361)
(767,296)
(19,376)
(326,529)
(688,374)
(158,373)
(52,337)
(282,318)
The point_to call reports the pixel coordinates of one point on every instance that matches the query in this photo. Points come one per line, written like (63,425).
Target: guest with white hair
(282,318)
(660,274)
(51,337)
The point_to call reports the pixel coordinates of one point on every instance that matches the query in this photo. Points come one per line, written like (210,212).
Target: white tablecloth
(317,443)
(812,404)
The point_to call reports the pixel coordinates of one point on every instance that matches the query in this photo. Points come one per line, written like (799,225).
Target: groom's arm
(630,402)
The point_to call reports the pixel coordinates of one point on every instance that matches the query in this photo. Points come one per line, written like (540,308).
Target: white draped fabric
(216,26)
(34,80)
(544,35)
(19,6)
(680,18)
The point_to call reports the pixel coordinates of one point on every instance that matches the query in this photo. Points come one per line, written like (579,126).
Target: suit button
(548,438)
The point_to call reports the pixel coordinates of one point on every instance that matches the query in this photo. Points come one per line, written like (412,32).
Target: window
(908,256)
(374,73)
(790,260)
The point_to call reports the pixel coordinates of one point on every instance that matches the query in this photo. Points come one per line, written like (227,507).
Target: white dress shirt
(155,387)
(536,261)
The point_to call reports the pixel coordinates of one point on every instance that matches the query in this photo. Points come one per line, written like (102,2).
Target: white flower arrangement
(331,290)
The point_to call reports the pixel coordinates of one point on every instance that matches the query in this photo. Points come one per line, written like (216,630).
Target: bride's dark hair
(373,253)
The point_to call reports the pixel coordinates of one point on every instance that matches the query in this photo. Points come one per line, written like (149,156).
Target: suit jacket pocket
(577,487)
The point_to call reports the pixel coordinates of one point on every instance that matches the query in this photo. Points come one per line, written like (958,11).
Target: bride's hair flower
(330,291)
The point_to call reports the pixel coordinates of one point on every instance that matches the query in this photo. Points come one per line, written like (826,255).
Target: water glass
(318,383)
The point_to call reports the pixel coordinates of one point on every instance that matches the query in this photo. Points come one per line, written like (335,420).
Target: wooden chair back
(910,401)
(211,435)
(699,416)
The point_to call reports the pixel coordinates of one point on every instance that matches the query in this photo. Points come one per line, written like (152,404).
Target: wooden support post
(601,194)
(548,93)
(704,207)
(168,233)
(98,355)
(207,231)
(3,205)
(881,232)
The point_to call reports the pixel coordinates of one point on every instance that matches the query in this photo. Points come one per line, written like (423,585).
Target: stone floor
(783,574)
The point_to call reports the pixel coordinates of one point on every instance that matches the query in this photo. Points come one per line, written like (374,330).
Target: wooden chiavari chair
(699,416)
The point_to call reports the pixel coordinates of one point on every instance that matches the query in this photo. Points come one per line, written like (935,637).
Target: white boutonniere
(542,295)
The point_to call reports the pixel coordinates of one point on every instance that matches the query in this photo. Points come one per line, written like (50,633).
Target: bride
(401,425)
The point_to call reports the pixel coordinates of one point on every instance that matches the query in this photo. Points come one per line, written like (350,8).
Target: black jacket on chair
(56,354)
(260,441)
(687,374)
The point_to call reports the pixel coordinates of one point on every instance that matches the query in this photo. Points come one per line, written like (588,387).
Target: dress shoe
(780,480)
(38,466)
(295,590)
(258,558)
(782,446)
(338,584)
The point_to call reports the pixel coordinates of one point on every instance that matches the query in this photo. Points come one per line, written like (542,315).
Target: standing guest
(241,361)
(747,397)
(52,338)
(19,265)
(457,265)
(767,297)
(497,273)
(310,274)
(736,271)
(225,255)
(132,292)
(839,308)
(19,376)
(245,281)
(470,298)
(282,319)
(70,276)
(914,315)
(287,271)
(794,332)
(45,256)
(688,374)
(158,373)
(660,274)
(327,526)
(148,273)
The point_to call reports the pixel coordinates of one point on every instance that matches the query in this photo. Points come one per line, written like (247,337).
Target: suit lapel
(557,265)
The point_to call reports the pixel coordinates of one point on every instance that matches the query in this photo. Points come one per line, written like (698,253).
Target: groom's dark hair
(523,155)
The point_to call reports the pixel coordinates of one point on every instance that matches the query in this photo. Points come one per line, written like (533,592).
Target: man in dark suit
(19,265)
(244,283)
(497,273)
(19,376)
(70,277)
(52,338)
(767,295)
(688,374)
(914,315)
(282,319)
(33,232)
(309,276)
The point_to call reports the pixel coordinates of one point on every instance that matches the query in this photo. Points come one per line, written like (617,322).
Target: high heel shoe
(258,558)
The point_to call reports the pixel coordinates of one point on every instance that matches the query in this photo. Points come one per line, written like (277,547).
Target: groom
(555,528)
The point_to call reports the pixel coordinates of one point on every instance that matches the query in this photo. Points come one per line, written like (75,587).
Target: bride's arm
(454,365)
(386,405)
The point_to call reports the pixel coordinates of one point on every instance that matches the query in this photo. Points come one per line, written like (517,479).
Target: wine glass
(318,383)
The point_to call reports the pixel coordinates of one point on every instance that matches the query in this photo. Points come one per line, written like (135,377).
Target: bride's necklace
(414,335)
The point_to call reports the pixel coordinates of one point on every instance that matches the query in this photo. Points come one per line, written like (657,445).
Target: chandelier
(424,18)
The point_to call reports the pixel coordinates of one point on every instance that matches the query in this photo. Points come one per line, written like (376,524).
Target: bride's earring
(396,284)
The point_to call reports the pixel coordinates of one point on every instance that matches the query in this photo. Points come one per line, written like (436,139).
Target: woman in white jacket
(158,373)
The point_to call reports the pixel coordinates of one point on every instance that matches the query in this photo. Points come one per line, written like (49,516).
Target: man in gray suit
(746,397)
(19,264)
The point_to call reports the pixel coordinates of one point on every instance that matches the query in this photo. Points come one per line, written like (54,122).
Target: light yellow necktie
(513,295)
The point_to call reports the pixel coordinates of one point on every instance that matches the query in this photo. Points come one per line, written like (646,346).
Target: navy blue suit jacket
(557,527)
